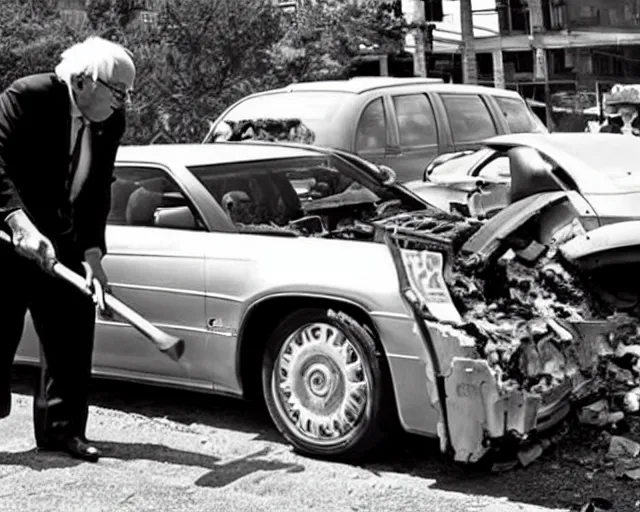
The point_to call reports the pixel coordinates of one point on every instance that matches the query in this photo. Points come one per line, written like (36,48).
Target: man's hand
(29,242)
(96,277)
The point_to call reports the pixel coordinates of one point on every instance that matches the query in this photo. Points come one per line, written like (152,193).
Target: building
(568,52)
(583,43)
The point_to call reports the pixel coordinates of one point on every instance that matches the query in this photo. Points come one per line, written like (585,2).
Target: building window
(557,15)
(149,18)
(288,5)
(513,16)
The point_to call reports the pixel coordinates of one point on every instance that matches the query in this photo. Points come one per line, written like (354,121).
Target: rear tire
(325,386)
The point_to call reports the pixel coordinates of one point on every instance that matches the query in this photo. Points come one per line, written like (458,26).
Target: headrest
(142,206)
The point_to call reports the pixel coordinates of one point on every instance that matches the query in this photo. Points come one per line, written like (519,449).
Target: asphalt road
(177,451)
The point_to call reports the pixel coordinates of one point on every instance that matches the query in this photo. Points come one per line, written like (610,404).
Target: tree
(198,58)
(32,37)
(322,39)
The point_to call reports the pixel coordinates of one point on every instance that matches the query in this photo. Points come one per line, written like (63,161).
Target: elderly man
(59,133)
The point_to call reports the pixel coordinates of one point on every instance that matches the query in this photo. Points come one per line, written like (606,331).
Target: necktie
(80,160)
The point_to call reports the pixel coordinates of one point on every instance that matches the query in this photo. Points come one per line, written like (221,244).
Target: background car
(599,172)
(398,122)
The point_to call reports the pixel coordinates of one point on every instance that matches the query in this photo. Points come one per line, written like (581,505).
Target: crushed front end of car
(519,334)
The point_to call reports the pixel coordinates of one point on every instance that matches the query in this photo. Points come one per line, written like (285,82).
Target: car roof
(215,153)
(357,84)
(360,85)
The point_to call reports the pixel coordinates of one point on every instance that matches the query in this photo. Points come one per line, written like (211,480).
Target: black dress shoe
(73,446)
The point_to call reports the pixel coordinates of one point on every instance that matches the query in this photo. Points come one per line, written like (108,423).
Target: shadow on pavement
(555,480)
(551,481)
(181,406)
(220,474)
(37,461)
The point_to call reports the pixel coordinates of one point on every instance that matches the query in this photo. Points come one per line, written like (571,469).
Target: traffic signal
(433,10)
(428,38)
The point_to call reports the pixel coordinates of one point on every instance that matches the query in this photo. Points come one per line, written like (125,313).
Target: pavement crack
(128,498)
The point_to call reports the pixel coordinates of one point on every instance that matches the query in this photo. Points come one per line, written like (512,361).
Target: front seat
(530,173)
(142,206)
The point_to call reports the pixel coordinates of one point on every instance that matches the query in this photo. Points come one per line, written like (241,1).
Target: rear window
(518,116)
(316,110)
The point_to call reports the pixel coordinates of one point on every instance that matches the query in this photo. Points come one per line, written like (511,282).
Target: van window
(469,118)
(372,128)
(315,110)
(517,114)
(416,120)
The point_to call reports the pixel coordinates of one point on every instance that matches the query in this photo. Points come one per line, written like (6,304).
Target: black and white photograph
(319,255)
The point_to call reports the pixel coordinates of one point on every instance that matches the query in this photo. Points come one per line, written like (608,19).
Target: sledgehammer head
(173,347)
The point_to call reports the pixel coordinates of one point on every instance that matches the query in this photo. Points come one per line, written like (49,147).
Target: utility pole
(419,58)
(469,64)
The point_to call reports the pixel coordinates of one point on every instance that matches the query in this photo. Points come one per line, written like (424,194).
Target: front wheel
(324,384)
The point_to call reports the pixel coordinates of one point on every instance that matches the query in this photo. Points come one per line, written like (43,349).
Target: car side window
(140,195)
(469,117)
(416,120)
(371,134)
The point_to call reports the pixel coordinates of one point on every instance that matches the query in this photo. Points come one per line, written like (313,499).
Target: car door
(157,271)
(470,120)
(413,117)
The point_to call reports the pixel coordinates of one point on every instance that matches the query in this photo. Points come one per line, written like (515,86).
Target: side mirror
(388,175)
(179,217)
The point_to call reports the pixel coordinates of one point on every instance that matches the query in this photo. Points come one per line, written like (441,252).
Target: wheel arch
(263,316)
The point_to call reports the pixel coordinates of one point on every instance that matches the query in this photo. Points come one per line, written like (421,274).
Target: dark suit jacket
(35,125)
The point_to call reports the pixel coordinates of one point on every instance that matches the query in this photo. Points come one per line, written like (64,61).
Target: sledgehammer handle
(165,342)
(170,345)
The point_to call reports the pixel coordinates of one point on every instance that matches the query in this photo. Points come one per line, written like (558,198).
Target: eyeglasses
(120,95)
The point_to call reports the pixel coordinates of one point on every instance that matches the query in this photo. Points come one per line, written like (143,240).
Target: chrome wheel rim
(320,384)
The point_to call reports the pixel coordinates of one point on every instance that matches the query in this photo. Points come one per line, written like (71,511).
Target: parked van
(399,122)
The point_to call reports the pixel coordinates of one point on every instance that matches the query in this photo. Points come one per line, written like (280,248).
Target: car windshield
(315,111)
(277,192)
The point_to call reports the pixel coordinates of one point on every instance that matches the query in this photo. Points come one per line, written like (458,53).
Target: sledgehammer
(170,345)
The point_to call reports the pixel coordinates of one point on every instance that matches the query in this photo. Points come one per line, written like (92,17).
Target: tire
(325,385)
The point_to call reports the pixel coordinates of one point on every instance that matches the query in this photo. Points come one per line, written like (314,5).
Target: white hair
(94,57)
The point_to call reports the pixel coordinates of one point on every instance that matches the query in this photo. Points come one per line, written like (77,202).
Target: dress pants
(64,320)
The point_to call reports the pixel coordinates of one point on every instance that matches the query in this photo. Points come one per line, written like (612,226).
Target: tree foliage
(32,36)
(323,38)
(199,57)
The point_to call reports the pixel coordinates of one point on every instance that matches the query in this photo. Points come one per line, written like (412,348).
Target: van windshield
(315,112)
